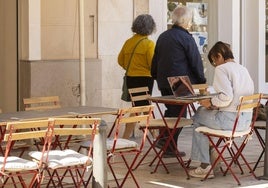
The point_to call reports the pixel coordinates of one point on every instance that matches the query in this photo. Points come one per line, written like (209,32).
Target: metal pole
(265,169)
(82,54)
(100,158)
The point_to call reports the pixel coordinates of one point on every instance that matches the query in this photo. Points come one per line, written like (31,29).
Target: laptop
(182,88)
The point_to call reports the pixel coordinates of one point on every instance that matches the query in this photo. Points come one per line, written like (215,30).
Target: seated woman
(231,80)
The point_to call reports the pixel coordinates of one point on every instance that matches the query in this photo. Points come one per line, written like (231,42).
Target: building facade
(40,48)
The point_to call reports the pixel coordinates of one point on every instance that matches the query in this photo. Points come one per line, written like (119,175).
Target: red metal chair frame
(20,131)
(142,94)
(226,140)
(69,126)
(142,114)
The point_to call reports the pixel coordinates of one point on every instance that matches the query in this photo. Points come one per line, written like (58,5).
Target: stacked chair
(50,164)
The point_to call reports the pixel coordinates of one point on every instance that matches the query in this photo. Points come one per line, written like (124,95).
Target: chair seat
(62,158)
(260,124)
(222,133)
(120,144)
(158,123)
(15,164)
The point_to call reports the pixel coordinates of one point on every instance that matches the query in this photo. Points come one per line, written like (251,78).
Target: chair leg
(220,156)
(152,147)
(130,170)
(258,161)
(262,145)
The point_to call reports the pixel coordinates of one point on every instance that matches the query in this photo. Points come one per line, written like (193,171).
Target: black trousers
(172,111)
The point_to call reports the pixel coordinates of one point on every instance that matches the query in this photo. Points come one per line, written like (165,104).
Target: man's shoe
(171,154)
(201,173)
(160,143)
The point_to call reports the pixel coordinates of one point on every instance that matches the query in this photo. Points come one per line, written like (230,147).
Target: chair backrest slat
(73,131)
(136,114)
(24,129)
(36,129)
(139,94)
(41,103)
(247,104)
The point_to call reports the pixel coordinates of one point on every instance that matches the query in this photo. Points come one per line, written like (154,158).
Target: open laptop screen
(181,86)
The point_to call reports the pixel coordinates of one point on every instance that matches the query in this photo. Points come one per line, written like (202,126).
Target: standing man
(176,54)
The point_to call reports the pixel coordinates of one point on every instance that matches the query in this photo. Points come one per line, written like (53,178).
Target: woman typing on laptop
(231,80)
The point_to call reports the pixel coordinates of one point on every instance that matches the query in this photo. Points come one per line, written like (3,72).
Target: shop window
(200,23)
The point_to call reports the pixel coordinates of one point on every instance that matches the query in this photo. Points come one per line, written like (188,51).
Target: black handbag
(125,94)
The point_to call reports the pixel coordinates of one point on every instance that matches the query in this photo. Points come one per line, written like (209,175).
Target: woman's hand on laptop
(207,103)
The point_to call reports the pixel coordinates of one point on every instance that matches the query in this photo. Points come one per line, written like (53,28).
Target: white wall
(253,41)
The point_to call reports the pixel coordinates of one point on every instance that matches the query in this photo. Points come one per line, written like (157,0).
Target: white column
(82,53)
(253,41)
(229,24)
(34,30)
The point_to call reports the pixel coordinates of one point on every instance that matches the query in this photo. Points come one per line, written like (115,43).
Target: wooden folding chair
(156,125)
(41,103)
(227,142)
(61,164)
(13,167)
(125,147)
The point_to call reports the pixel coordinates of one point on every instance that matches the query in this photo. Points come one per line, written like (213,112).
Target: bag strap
(133,53)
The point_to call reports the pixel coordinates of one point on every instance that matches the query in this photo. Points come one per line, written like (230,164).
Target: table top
(172,100)
(59,112)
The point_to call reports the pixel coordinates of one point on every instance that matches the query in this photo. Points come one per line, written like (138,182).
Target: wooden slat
(76,121)
(138,90)
(250,101)
(41,103)
(27,124)
(74,131)
(134,119)
(26,135)
(138,109)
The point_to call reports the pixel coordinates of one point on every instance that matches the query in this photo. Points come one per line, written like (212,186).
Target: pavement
(176,178)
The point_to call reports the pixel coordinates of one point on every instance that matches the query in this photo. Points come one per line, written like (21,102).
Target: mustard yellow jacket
(142,58)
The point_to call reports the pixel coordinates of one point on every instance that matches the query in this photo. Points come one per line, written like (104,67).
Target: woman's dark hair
(220,48)
(144,25)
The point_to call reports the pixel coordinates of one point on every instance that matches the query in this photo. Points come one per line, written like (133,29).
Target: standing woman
(137,52)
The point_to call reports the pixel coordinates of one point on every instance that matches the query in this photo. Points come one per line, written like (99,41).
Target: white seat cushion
(224,133)
(62,158)
(120,144)
(170,122)
(18,164)
(260,124)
